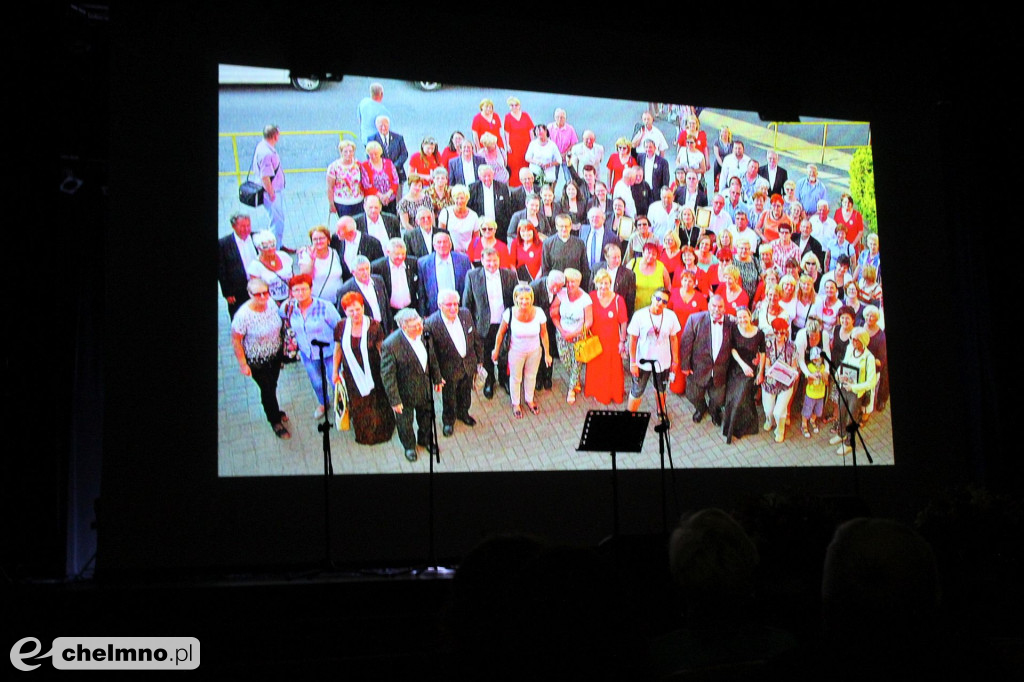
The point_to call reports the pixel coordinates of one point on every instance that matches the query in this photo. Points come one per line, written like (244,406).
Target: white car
(230,74)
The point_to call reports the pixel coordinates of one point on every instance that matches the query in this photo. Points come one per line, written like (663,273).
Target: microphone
(320,344)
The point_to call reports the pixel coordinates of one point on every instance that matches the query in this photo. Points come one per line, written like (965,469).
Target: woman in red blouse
(525,249)
(426,159)
(487,122)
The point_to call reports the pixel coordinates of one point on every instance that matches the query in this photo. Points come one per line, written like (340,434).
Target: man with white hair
(487,294)
(408,372)
(647,129)
(401,276)
(349,242)
(664,214)
(419,241)
(460,355)
(624,188)
(564,137)
(823,227)
(810,190)
(489,198)
(775,174)
(374,222)
(394,149)
(586,153)
(595,235)
(375,296)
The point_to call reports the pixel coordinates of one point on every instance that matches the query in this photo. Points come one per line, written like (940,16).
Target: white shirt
(419,349)
(623,191)
(377,230)
(370,294)
(494,297)
(457,334)
(488,200)
(654,334)
(400,295)
(445,269)
(716,337)
(352,251)
(246,249)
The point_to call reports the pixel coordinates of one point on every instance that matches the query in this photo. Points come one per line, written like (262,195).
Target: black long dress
(372,417)
(739,416)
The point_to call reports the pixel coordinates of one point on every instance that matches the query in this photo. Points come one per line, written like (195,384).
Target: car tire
(306,84)
(429,86)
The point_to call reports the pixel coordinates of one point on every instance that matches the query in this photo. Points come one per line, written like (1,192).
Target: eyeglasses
(261,294)
(659,299)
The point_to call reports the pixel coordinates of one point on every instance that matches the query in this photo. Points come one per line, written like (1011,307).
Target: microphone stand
(433,453)
(664,444)
(853,428)
(324,428)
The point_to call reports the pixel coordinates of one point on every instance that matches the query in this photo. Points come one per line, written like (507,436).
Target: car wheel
(428,85)
(307,84)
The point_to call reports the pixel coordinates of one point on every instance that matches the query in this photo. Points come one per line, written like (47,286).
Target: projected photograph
(476,269)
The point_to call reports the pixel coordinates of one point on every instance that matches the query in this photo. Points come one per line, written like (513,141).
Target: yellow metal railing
(774,127)
(238,173)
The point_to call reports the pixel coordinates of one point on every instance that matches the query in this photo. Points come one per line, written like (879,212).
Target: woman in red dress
(619,161)
(847,215)
(671,254)
(685,301)
(487,122)
(732,290)
(604,373)
(526,251)
(518,135)
(688,258)
(426,159)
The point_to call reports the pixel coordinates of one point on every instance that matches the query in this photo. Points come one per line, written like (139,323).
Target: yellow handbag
(587,348)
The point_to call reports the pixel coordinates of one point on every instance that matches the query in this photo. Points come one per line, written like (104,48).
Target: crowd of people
(482,261)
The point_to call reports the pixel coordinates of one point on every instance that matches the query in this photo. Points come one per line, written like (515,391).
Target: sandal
(807,434)
(281,432)
(534,407)
(517,412)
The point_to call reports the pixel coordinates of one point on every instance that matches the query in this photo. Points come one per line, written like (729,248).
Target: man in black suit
(641,193)
(377,224)
(419,241)
(233,254)
(490,199)
(705,352)
(596,236)
(623,279)
(408,372)
(401,276)
(655,169)
(349,242)
(394,149)
(462,170)
(774,174)
(460,354)
(545,288)
(690,194)
(371,287)
(488,293)
(809,244)
(527,189)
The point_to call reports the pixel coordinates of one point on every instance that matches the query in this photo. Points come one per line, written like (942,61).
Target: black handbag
(251,193)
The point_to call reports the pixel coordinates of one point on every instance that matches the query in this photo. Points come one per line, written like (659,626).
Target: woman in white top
(527,328)
(573,316)
(459,220)
(322,263)
(272,267)
(543,156)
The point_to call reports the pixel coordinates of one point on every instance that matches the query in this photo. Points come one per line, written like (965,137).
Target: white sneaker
(768,425)
(318,412)
(835,440)
(844,450)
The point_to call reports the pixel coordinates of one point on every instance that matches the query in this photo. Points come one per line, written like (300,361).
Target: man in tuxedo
(704,355)
(527,189)
(375,297)
(690,194)
(623,279)
(545,289)
(233,254)
(596,236)
(565,250)
(487,294)
(774,174)
(655,168)
(490,198)
(419,241)
(441,269)
(460,354)
(408,372)
(462,170)
(401,276)
(394,149)
(350,243)
(372,221)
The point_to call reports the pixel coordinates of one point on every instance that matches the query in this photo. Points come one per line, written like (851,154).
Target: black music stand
(614,431)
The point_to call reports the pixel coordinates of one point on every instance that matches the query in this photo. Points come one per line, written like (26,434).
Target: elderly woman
(518,135)
(836,247)
(706,257)
(487,122)
(739,416)
(767,226)
(651,274)
(837,345)
(344,182)
(604,373)
(379,177)
(813,335)
(423,162)
(811,266)
(733,293)
(543,156)
(769,279)
(487,240)
(439,192)
(749,267)
(856,390)
(357,342)
(270,266)
(459,219)
(789,199)
(688,260)
(775,392)
(573,315)
(527,328)
(619,161)
(686,299)
(312,320)
(870,257)
(642,235)
(415,199)
(877,346)
(322,263)
(494,156)
(256,340)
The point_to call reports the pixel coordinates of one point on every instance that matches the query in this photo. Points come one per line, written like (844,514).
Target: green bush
(862,187)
